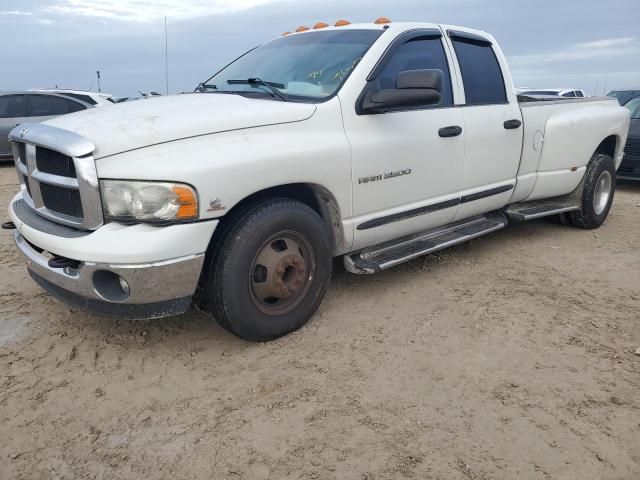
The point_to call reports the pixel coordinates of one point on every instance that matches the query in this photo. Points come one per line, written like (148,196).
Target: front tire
(597,194)
(270,271)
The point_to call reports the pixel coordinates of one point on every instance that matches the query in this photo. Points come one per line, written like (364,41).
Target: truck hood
(131,125)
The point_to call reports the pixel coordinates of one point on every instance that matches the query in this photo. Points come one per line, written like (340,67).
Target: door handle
(512,124)
(453,131)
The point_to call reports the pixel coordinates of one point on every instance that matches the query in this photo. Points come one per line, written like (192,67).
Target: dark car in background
(20,107)
(624,96)
(630,167)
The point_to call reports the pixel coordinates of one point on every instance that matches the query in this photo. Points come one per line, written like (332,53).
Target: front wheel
(270,271)
(597,194)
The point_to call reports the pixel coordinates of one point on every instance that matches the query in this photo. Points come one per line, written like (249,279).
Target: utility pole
(98,74)
(166,57)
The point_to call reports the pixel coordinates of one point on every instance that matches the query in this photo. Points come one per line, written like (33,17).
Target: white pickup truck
(376,142)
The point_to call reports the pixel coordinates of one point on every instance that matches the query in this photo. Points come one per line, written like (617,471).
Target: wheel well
(316,197)
(608,146)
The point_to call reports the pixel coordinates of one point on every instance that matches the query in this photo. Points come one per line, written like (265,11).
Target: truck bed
(560,135)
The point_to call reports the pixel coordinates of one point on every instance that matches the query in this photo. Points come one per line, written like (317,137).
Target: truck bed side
(559,139)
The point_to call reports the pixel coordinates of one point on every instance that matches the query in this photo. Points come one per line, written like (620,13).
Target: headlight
(133,201)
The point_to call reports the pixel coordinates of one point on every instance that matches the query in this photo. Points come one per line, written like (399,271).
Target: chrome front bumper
(152,289)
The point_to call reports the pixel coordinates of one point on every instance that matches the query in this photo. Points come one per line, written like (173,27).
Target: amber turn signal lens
(302,28)
(320,25)
(187,201)
(381,20)
(342,23)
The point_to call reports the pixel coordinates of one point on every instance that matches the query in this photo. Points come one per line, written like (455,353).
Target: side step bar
(380,257)
(533,210)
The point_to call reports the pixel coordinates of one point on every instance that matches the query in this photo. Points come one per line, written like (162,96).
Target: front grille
(55,163)
(62,200)
(51,185)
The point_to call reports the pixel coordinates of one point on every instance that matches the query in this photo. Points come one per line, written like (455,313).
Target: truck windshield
(305,67)
(634,108)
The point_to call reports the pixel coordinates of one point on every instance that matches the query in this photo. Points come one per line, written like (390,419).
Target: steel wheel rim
(281,273)
(602,192)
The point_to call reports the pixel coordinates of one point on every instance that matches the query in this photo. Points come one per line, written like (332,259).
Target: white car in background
(554,92)
(92,98)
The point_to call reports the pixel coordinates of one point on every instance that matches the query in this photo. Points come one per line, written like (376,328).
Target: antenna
(606,79)
(166,57)
(98,74)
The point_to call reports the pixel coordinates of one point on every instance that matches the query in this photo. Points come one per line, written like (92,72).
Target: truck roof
(398,26)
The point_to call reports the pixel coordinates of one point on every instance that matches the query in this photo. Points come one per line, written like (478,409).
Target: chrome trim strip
(34,185)
(58,139)
(21,168)
(51,179)
(148,283)
(89,188)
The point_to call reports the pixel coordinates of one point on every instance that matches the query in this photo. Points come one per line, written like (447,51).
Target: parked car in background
(624,96)
(33,107)
(96,99)
(630,166)
(555,92)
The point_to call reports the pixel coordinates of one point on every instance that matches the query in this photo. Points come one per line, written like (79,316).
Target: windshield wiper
(204,87)
(271,86)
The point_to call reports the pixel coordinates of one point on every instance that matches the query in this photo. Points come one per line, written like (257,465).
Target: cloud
(141,10)
(607,43)
(598,49)
(16,13)
(68,40)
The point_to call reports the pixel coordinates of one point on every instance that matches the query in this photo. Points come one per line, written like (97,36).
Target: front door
(407,164)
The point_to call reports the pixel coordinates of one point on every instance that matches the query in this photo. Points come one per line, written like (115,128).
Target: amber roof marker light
(302,28)
(342,23)
(320,25)
(286,33)
(382,20)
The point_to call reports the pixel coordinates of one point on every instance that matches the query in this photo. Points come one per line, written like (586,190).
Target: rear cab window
(481,73)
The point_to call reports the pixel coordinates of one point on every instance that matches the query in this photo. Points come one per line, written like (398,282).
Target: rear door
(493,125)
(43,107)
(13,112)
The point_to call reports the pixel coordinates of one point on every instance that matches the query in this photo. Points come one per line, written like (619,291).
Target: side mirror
(414,88)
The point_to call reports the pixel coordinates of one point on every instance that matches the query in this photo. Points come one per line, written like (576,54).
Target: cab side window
(47,105)
(13,106)
(481,73)
(417,53)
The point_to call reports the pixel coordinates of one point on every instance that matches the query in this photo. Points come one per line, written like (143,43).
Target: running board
(380,257)
(544,208)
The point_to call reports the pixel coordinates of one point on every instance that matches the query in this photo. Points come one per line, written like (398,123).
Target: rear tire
(597,194)
(270,271)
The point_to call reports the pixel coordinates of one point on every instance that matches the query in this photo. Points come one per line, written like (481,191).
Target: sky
(589,44)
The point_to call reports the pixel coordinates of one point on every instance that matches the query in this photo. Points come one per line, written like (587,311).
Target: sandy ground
(511,357)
